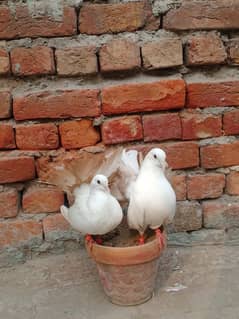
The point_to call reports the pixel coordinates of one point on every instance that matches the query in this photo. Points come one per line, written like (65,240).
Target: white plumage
(152,199)
(95,211)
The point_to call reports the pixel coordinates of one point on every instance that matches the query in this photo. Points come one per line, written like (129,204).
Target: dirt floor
(198,283)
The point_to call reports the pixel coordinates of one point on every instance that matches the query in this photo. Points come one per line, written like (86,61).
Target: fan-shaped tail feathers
(70,170)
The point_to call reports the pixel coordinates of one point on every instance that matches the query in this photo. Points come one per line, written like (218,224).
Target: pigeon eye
(155,156)
(98,182)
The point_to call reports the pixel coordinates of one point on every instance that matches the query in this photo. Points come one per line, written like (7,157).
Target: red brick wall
(148,76)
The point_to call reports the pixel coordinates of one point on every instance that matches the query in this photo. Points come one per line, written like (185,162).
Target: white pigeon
(95,211)
(152,199)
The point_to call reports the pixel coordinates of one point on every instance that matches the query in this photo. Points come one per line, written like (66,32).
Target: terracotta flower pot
(127,274)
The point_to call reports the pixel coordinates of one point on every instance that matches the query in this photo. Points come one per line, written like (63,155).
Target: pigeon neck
(149,167)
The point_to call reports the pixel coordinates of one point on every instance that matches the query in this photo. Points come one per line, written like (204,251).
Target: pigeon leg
(90,240)
(160,237)
(141,239)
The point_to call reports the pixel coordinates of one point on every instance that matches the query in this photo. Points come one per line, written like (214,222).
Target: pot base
(139,302)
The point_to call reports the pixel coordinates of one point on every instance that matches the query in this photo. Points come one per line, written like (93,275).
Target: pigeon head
(100,182)
(157,157)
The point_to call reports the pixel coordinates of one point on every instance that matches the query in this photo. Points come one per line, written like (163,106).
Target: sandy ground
(198,283)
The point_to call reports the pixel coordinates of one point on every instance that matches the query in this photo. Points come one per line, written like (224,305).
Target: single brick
(197,125)
(232,185)
(231,122)
(205,186)
(180,155)
(57,104)
(4,62)
(116,17)
(5,105)
(119,55)
(220,14)
(164,53)
(16,169)
(217,94)
(122,129)
(37,137)
(55,227)
(178,183)
(21,23)
(233,51)
(77,134)
(20,232)
(221,213)
(76,61)
(32,61)
(55,223)
(205,49)
(37,199)
(220,155)
(7,138)
(188,217)
(159,127)
(9,203)
(141,97)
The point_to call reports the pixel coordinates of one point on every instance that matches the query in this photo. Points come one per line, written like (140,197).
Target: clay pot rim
(122,256)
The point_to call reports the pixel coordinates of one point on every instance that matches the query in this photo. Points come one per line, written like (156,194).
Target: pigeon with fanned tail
(95,211)
(69,171)
(152,199)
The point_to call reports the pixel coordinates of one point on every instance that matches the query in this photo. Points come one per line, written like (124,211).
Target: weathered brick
(159,127)
(119,55)
(76,61)
(205,49)
(198,125)
(232,185)
(37,136)
(9,202)
(178,183)
(7,139)
(205,186)
(32,61)
(221,213)
(117,17)
(55,223)
(57,104)
(77,134)
(179,155)
(4,62)
(188,217)
(20,232)
(220,155)
(233,51)
(5,104)
(127,98)
(231,122)
(55,227)
(218,94)
(164,53)
(182,154)
(16,169)
(22,23)
(197,15)
(122,129)
(38,199)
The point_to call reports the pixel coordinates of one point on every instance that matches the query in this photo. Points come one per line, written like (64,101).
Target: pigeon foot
(90,240)
(141,240)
